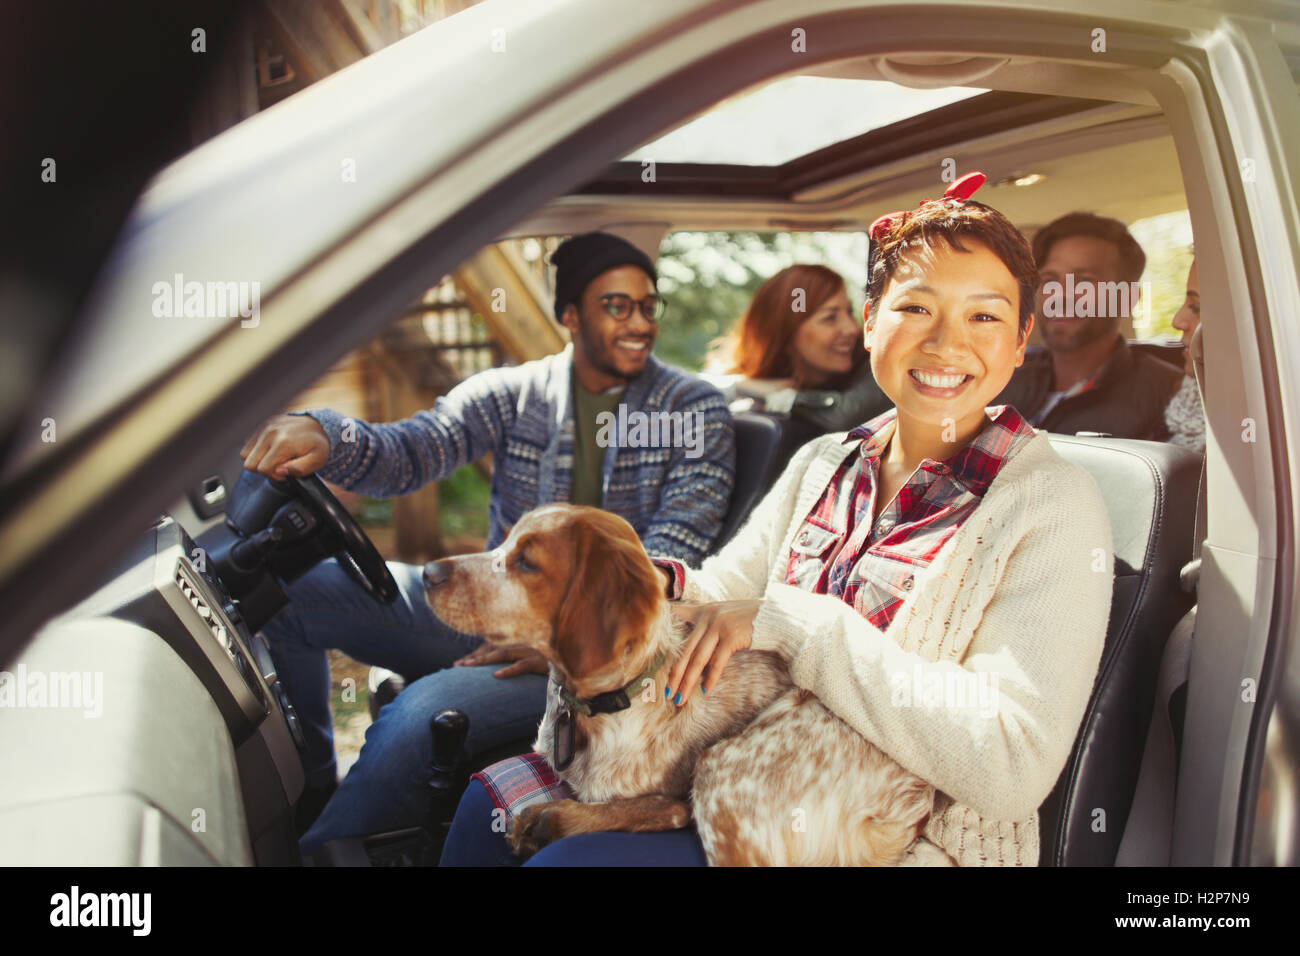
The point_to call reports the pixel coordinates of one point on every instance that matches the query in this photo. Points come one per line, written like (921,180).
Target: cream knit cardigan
(1020,593)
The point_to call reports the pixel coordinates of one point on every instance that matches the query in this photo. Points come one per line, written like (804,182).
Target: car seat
(1150,492)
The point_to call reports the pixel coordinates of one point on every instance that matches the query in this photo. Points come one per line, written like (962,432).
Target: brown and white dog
(772,776)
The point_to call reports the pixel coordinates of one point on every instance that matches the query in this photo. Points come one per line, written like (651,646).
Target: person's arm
(741,569)
(397,458)
(697,486)
(1037,647)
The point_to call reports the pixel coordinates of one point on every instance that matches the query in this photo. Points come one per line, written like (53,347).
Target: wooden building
(493,309)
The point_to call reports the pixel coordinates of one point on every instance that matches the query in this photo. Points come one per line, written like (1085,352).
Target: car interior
(203,766)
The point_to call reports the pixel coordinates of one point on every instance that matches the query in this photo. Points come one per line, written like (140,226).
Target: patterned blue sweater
(675,497)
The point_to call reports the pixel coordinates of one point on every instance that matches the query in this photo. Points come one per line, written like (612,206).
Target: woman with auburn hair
(798,350)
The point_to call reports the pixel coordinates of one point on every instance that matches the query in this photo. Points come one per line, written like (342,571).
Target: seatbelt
(1148,834)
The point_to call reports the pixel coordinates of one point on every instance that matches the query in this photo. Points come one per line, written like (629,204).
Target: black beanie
(580,259)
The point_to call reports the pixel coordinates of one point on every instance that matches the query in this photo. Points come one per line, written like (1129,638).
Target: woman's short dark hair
(951,221)
(1132,260)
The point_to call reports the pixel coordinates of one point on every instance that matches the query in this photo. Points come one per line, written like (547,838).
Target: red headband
(961,190)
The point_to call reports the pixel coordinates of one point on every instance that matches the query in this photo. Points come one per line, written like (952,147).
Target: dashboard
(147,725)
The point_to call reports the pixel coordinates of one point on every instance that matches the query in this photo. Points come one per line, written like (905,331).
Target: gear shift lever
(447,770)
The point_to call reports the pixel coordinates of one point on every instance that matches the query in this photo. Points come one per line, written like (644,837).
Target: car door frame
(643,69)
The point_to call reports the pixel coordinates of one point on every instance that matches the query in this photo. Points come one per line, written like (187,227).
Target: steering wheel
(355,552)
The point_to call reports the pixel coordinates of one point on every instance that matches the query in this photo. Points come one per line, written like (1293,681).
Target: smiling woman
(798,349)
(942,539)
(941,351)
(798,327)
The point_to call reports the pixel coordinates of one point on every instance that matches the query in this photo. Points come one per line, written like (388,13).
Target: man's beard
(598,355)
(1068,337)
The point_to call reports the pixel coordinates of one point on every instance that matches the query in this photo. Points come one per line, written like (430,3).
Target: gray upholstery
(757,440)
(1150,493)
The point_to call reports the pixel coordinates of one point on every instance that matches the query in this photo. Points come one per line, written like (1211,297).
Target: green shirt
(589,457)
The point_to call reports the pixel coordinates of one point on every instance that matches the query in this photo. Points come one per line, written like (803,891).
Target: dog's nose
(435,573)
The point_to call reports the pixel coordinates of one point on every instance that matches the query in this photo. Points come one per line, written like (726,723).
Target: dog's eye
(523,564)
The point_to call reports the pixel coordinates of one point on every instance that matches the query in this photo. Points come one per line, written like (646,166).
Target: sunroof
(792,117)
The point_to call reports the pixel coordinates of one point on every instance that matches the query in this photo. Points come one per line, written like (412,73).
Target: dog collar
(609,702)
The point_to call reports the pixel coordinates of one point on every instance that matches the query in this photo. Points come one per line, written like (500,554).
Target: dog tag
(563,742)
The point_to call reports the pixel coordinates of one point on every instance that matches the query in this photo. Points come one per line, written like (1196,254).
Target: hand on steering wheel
(287,445)
(288,449)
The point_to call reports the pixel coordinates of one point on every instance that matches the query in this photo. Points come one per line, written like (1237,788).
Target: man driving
(546,422)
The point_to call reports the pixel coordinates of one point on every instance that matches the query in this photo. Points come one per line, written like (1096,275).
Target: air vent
(192,594)
(221,633)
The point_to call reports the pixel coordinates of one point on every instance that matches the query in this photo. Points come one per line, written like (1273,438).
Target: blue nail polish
(678,699)
(668,692)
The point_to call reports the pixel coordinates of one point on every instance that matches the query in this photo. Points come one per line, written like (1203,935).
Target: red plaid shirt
(873,567)
(838,551)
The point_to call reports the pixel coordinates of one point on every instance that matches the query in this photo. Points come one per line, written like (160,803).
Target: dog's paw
(538,826)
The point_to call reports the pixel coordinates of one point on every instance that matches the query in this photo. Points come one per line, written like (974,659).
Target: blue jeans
(474,841)
(385,789)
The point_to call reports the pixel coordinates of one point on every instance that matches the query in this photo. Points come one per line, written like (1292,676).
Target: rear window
(709,278)
(1167,241)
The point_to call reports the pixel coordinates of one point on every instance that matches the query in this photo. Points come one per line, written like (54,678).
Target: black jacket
(860,401)
(1127,401)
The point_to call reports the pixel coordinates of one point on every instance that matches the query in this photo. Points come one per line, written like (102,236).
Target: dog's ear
(613,593)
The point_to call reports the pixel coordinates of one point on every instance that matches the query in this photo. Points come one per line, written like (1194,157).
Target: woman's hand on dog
(720,630)
(287,445)
(526,660)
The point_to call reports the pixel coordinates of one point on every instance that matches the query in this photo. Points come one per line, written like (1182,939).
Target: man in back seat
(1087,378)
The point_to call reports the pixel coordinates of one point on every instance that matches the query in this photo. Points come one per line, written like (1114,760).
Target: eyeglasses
(619,306)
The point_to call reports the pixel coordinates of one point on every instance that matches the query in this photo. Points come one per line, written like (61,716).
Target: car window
(708,279)
(1167,242)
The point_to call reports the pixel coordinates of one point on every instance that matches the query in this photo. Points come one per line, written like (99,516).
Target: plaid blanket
(519,782)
